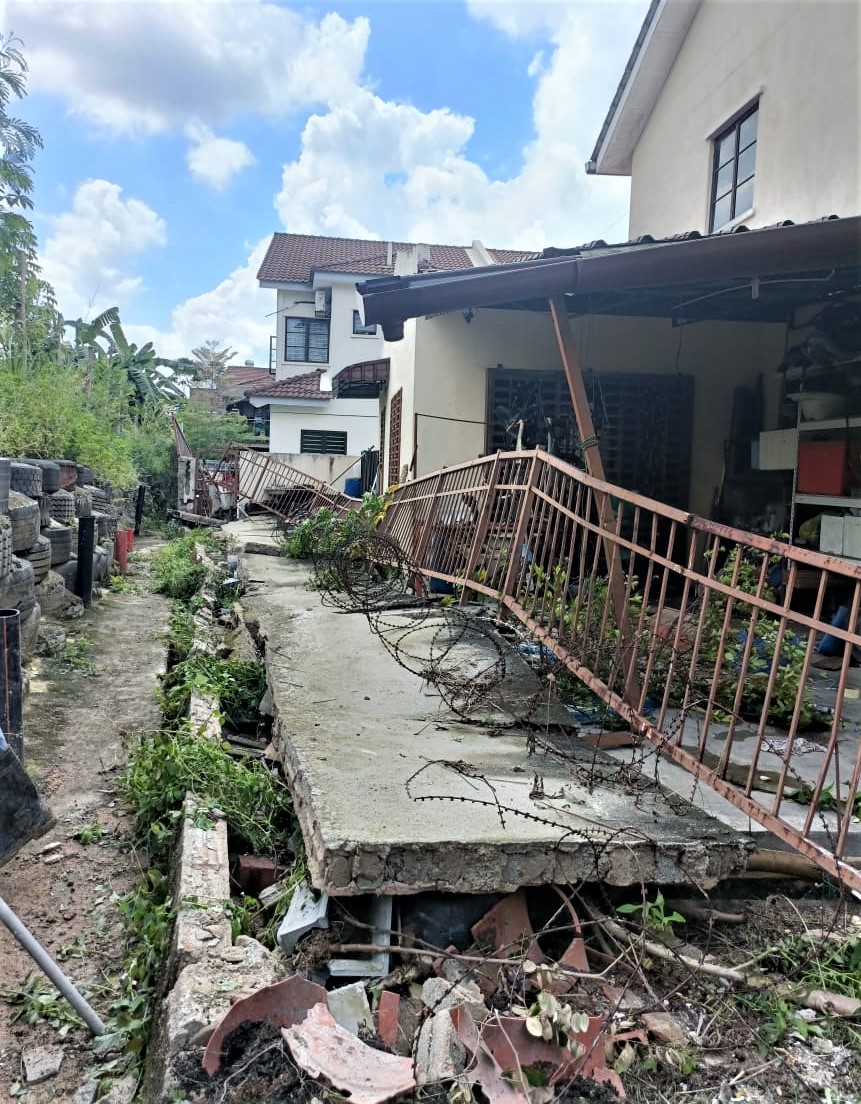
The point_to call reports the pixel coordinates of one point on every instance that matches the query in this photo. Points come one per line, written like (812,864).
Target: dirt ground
(81,709)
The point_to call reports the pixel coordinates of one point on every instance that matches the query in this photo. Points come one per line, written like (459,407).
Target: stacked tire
(5,475)
(5,545)
(26,479)
(98,497)
(83,503)
(50,474)
(60,538)
(24,516)
(40,557)
(62,506)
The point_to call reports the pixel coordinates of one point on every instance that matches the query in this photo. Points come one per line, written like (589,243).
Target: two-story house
(739,126)
(329,367)
(737,113)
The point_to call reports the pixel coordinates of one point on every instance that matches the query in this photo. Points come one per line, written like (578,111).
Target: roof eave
(664,29)
(811,246)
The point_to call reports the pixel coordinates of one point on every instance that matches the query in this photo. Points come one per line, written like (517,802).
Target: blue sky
(179,134)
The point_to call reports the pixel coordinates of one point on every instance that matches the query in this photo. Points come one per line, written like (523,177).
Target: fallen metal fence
(700,636)
(284,491)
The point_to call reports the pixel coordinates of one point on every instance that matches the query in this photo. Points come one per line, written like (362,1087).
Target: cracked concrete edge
(346,868)
(205,971)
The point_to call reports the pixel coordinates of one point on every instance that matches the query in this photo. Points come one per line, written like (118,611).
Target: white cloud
(88,254)
(369,167)
(215,160)
(233,313)
(520,17)
(147,66)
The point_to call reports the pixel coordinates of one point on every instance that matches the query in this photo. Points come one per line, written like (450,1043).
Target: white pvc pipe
(45,963)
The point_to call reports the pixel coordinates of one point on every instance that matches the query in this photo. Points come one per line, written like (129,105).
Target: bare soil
(83,709)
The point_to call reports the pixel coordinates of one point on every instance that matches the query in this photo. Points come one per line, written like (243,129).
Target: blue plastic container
(353,488)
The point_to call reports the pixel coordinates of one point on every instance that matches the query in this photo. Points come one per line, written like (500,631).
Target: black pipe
(86,548)
(11,681)
(139,508)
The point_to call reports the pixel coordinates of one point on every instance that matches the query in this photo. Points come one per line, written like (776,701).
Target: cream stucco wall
(355,417)
(452,359)
(345,347)
(402,376)
(801,57)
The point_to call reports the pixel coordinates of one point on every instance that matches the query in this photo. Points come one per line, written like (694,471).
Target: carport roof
(759,275)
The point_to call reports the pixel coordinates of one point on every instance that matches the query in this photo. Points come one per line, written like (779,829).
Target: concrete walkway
(396,795)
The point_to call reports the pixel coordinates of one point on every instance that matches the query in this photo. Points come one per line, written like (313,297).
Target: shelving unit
(836,537)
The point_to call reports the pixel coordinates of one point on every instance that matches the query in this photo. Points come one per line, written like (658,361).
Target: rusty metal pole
(595,467)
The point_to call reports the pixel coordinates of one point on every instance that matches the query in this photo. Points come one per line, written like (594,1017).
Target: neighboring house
(229,396)
(732,113)
(329,366)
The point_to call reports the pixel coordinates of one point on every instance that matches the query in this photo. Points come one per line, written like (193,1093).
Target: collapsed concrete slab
(395,795)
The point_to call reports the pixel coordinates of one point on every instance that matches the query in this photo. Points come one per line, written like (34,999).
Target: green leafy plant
(236,685)
(39,1002)
(76,657)
(91,833)
(321,534)
(174,569)
(554,1021)
(653,914)
(166,766)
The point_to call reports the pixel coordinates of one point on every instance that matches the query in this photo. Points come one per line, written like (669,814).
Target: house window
(307,339)
(321,440)
(359,327)
(734,164)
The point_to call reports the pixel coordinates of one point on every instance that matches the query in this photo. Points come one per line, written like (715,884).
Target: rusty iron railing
(283,490)
(701,637)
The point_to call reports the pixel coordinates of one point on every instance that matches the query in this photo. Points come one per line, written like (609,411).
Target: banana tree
(103,337)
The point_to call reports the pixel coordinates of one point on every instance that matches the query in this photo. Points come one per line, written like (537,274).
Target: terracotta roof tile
(244,373)
(306,386)
(291,258)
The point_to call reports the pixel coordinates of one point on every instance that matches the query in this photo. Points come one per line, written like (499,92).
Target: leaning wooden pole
(595,467)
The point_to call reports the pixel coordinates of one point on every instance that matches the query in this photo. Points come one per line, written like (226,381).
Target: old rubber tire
(51,593)
(26,604)
(5,545)
(62,506)
(24,515)
(25,479)
(85,475)
(17,584)
(40,557)
(5,466)
(68,572)
(99,497)
(50,475)
(30,629)
(60,537)
(101,564)
(44,511)
(83,503)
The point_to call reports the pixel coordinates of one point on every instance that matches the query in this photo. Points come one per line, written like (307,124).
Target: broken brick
(387,1018)
(254,872)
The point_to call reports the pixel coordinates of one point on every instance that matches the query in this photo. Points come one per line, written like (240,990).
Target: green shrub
(175,572)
